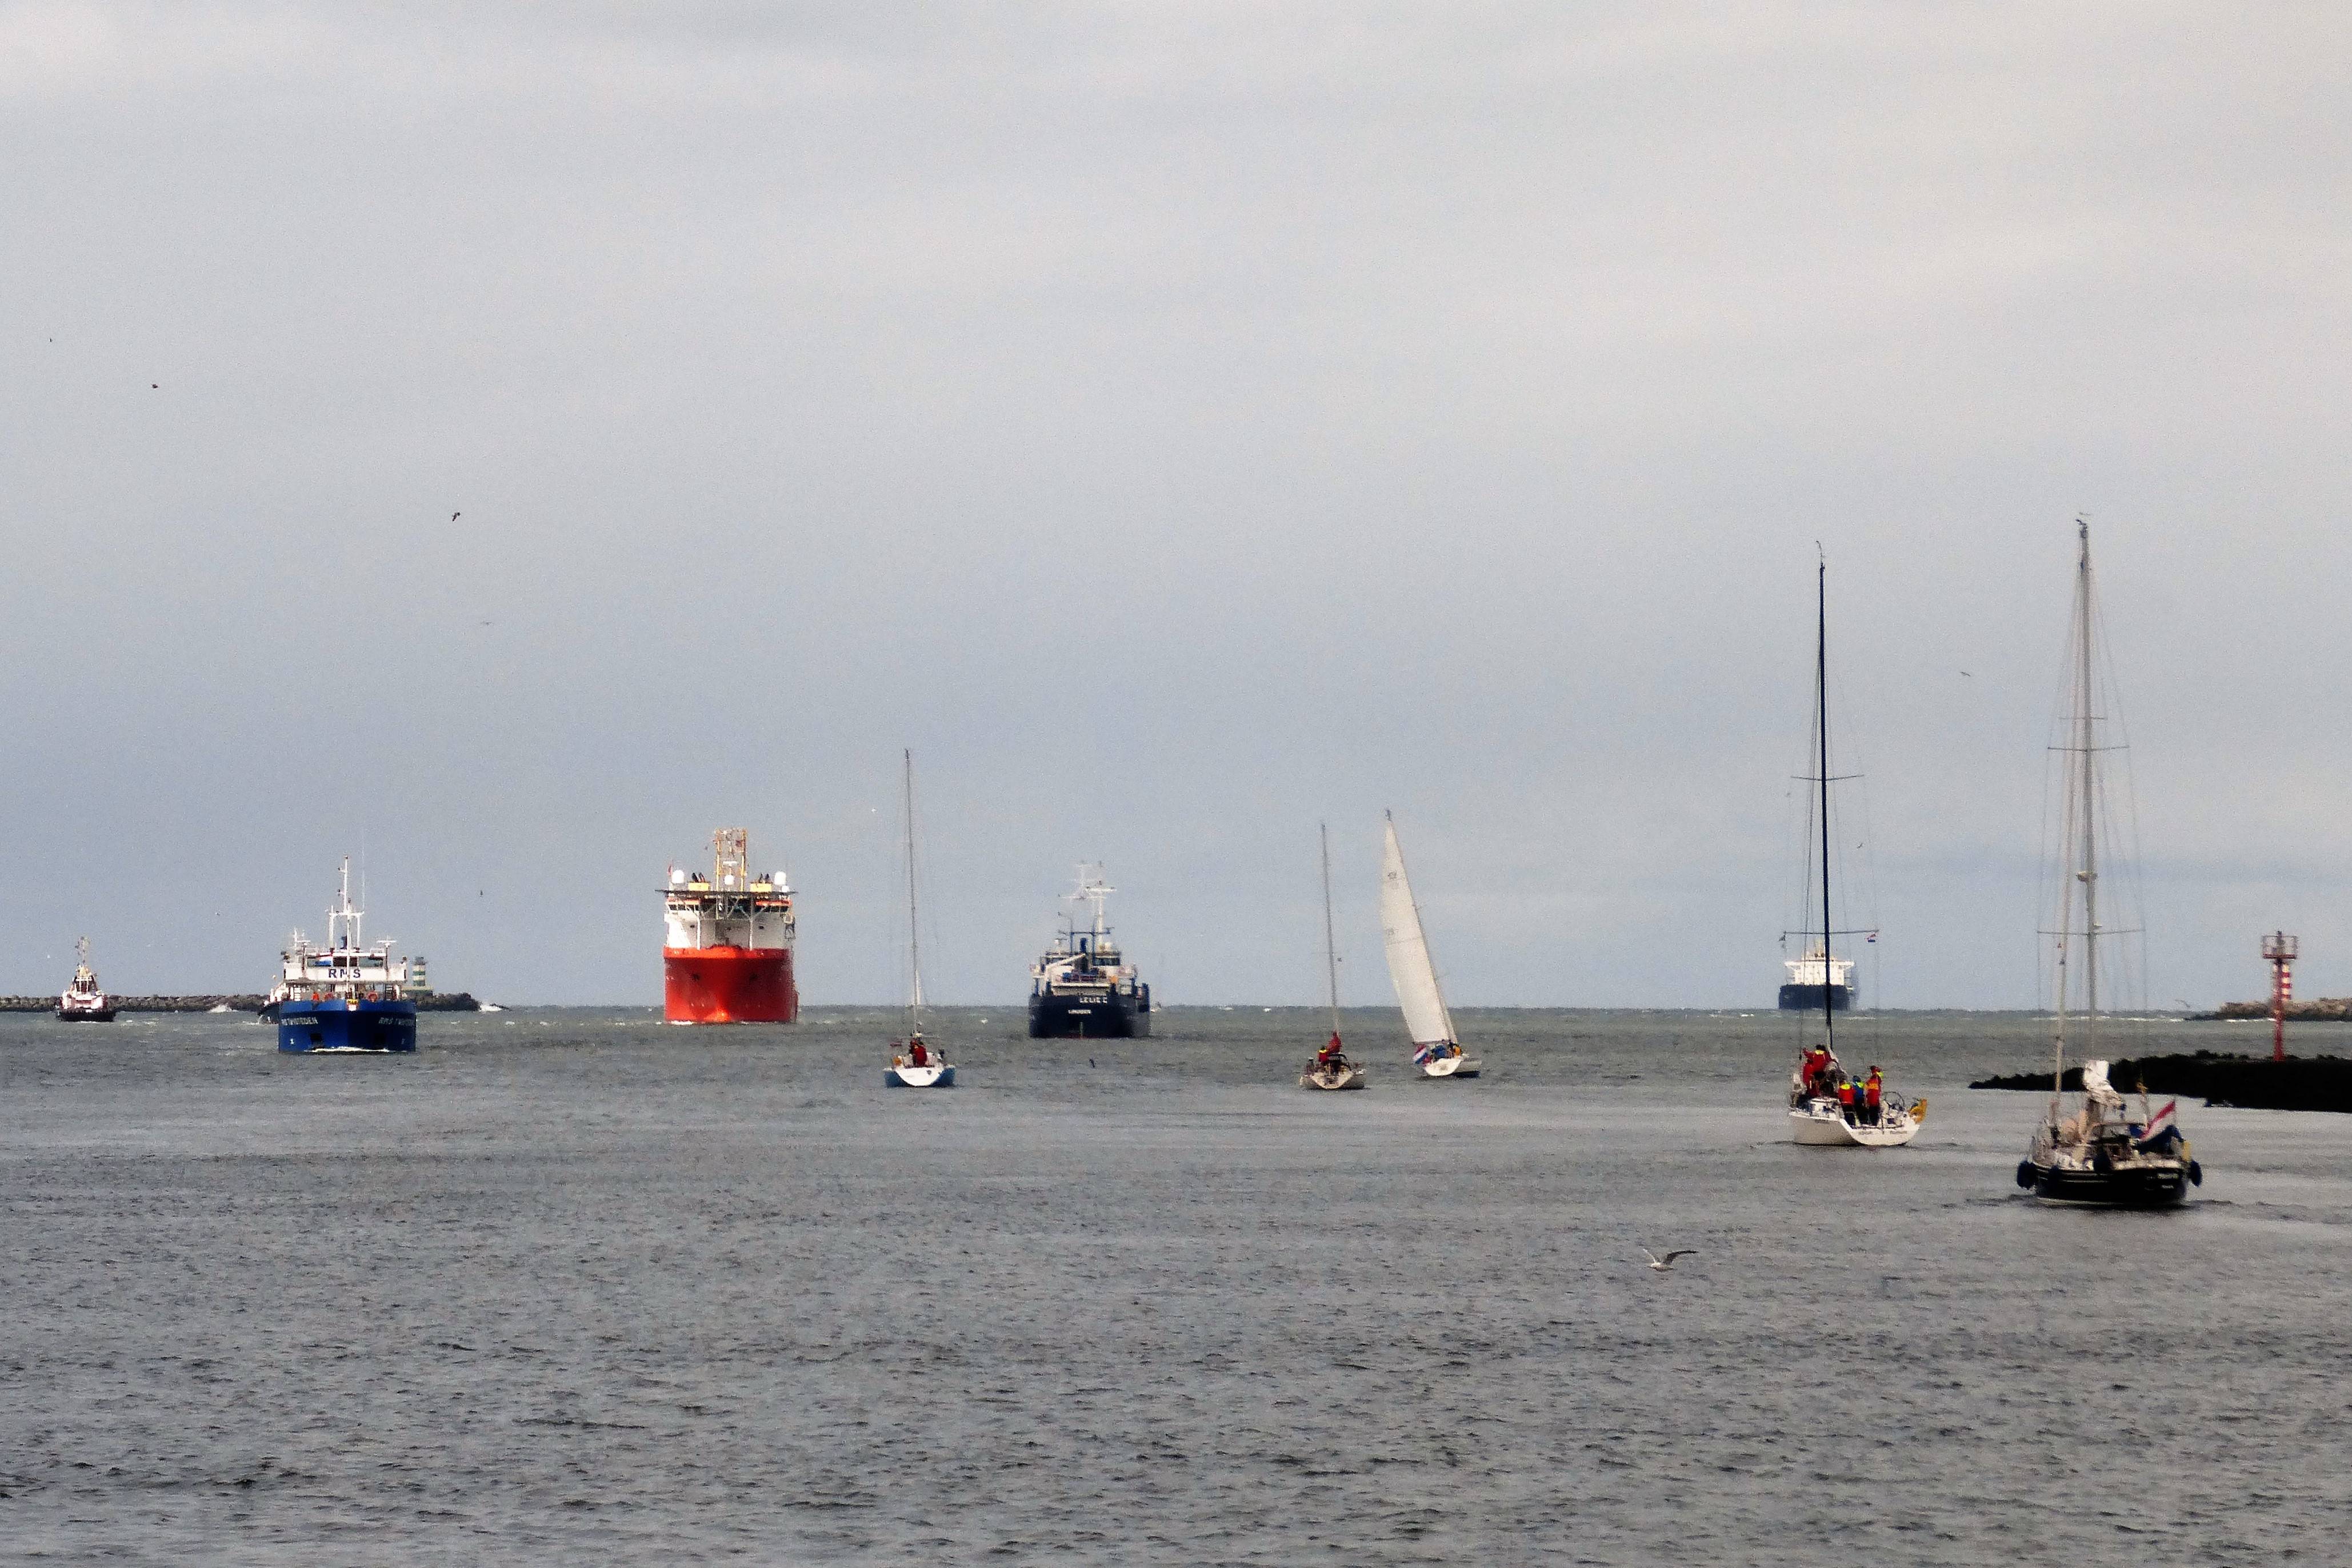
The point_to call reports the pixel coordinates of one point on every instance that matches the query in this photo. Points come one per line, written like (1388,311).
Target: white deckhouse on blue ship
(342,996)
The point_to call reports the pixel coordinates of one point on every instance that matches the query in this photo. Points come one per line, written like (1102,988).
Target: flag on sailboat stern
(2158,1125)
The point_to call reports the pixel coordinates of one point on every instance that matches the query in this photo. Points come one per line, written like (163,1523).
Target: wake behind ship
(1083,988)
(341,997)
(727,956)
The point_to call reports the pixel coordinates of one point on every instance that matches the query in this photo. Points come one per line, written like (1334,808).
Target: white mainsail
(1415,978)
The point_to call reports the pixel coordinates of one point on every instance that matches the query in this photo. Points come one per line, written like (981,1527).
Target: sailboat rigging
(2098,1154)
(1330,1069)
(1829,1107)
(916,1063)
(1436,1048)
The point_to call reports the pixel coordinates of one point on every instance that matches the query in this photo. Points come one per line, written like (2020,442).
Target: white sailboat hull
(931,1075)
(1349,1077)
(1819,1124)
(1450,1067)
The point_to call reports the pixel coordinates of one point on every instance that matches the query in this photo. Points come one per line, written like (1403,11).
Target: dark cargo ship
(1802,992)
(1083,988)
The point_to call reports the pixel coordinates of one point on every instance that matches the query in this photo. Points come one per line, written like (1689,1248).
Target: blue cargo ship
(342,996)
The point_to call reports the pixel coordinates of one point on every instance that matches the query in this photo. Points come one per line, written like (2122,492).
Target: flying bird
(1663,1264)
(1970,676)
(455,515)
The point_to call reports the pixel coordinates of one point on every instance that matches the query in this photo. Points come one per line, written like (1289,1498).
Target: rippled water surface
(569,1286)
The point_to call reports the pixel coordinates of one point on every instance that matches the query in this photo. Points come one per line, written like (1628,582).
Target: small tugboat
(343,997)
(2095,1157)
(1436,1050)
(1330,1069)
(1829,1107)
(915,1062)
(82,1002)
(1083,988)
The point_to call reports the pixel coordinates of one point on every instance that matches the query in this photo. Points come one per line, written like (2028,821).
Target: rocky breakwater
(2316,1010)
(2256,1083)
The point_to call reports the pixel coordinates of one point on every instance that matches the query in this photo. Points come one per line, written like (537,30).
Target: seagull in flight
(1663,1264)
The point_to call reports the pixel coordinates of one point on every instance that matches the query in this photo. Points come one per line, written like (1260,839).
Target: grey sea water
(571,1286)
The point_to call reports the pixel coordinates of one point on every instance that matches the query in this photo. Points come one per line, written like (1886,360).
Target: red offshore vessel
(728,953)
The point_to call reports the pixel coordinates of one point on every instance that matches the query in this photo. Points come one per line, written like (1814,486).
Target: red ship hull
(729,985)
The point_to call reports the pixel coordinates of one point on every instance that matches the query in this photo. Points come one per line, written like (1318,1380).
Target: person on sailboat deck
(1820,1076)
(1845,1097)
(1870,1089)
(1329,1057)
(915,1049)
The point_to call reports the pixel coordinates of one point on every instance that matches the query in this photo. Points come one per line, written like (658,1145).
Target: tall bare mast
(1821,723)
(1330,945)
(2089,776)
(914,937)
(2081,822)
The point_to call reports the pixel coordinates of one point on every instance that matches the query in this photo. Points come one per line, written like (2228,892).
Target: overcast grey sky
(1178,423)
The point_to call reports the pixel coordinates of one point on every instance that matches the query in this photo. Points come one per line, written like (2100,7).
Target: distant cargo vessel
(1083,988)
(728,952)
(341,997)
(1802,993)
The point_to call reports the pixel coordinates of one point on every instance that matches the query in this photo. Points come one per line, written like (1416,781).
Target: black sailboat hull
(1808,998)
(1110,1017)
(2159,1188)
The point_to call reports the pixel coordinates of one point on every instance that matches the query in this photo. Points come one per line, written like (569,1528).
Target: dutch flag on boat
(1421,1057)
(2159,1123)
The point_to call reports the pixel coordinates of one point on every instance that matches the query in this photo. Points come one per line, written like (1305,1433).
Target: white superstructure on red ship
(727,950)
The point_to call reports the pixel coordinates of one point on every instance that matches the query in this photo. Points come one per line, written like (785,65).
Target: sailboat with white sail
(1436,1048)
(915,1062)
(1828,1107)
(2095,1153)
(1331,1069)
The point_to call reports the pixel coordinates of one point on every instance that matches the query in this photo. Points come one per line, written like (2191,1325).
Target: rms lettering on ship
(342,998)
